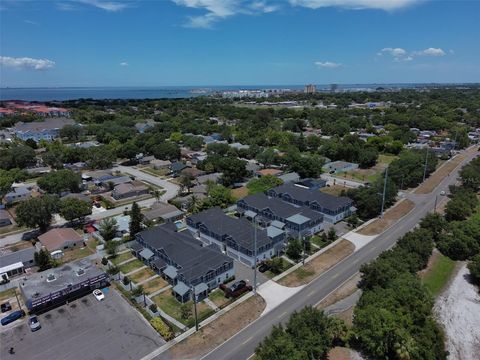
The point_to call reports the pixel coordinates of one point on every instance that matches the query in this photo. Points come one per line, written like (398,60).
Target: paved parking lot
(85,329)
(243,272)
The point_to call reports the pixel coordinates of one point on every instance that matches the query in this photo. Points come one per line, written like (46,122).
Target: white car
(98,294)
(442,193)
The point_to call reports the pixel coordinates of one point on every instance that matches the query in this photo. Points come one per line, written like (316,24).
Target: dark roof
(311,195)
(311,183)
(178,166)
(24,256)
(241,230)
(136,246)
(193,260)
(279,207)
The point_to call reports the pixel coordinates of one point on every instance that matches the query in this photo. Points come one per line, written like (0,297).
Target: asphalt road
(243,344)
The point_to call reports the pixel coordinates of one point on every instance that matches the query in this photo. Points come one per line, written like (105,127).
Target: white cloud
(431,52)
(124,63)
(327,64)
(400,54)
(111,6)
(31,22)
(387,5)
(221,9)
(26,63)
(66,6)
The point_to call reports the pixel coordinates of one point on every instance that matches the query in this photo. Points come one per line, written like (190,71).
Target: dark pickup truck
(236,289)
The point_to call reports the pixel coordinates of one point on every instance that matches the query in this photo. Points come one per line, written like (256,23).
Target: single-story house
(77,196)
(17,194)
(289,177)
(177,167)
(60,239)
(158,164)
(340,167)
(192,172)
(14,263)
(123,191)
(214,177)
(163,212)
(5,218)
(312,184)
(145,160)
(263,172)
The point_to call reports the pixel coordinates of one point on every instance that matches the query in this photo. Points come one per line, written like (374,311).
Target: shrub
(231,278)
(104,261)
(126,281)
(162,328)
(153,308)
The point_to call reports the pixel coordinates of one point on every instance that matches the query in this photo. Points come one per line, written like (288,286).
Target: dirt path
(458,310)
(389,217)
(218,331)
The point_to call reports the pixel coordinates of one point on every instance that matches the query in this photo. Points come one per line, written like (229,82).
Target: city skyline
(245,42)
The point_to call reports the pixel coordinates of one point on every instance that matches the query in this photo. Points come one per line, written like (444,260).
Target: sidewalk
(274,294)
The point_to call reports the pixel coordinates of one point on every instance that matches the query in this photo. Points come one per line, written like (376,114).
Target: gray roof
(47,124)
(162,210)
(276,223)
(181,289)
(298,219)
(170,271)
(200,288)
(146,253)
(240,230)
(24,256)
(273,231)
(289,177)
(159,263)
(191,258)
(279,207)
(136,246)
(309,196)
(209,177)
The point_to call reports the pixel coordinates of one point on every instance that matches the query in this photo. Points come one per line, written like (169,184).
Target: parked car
(6,307)
(264,267)
(12,317)
(98,294)
(34,323)
(236,289)
(442,193)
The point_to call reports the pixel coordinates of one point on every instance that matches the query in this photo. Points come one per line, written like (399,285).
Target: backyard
(154,285)
(142,275)
(218,298)
(121,258)
(79,252)
(130,266)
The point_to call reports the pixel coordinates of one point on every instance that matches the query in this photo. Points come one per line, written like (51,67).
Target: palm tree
(193,204)
(157,194)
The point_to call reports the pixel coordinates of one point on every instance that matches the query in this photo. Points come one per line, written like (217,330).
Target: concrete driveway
(85,329)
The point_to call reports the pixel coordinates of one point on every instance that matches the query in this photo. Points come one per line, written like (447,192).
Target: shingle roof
(279,207)
(192,259)
(48,124)
(162,210)
(310,195)
(55,238)
(241,230)
(24,255)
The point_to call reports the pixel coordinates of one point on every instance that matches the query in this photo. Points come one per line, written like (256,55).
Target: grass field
(240,192)
(218,298)
(335,190)
(130,266)
(154,285)
(141,275)
(121,257)
(438,273)
(167,302)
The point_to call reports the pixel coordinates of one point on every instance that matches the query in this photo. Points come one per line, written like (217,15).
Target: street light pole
(195,306)
(18,301)
(384,191)
(425,168)
(255,252)
(435,206)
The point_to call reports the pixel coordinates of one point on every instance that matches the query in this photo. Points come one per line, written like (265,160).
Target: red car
(236,289)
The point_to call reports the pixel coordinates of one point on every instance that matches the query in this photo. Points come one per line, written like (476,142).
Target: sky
(237,42)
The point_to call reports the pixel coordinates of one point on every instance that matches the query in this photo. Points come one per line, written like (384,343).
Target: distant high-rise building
(333,87)
(310,89)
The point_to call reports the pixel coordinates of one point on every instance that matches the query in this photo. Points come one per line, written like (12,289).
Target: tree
(112,247)
(263,184)
(37,212)
(353,220)
(71,132)
(108,228)
(218,195)
(43,259)
(294,249)
(332,234)
(474,267)
(194,204)
(276,265)
(71,208)
(166,151)
(113,270)
(435,223)
(185,183)
(59,181)
(157,194)
(136,218)
(186,311)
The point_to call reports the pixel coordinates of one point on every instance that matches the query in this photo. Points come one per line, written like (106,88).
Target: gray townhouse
(296,220)
(183,261)
(235,237)
(333,208)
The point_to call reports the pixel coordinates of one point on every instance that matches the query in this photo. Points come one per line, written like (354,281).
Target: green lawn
(386,159)
(317,240)
(438,275)
(121,257)
(301,273)
(218,298)
(154,285)
(130,266)
(141,275)
(285,266)
(167,302)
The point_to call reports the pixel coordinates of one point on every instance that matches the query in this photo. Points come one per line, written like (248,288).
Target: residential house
(239,146)
(163,212)
(158,164)
(213,177)
(17,194)
(15,263)
(333,208)
(183,261)
(312,184)
(236,237)
(5,218)
(177,167)
(48,130)
(60,239)
(289,177)
(263,172)
(141,127)
(192,172)
(127,190)
(340,167)
(123,225)
(295,220)
(146,160)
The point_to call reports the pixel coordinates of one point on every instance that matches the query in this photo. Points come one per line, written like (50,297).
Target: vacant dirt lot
(458,310)
(219,330)
(440,174)
(325,261)
(335,190)
(389,218)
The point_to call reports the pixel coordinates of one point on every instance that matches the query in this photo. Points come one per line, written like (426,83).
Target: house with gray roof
(163,212)
(289,177)
(333,208)
(14,263)
(183,261)
(5,218)
(235,237)
(48,130)
(296,220)
(17,194)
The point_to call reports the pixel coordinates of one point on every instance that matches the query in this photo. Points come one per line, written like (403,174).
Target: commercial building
(183,261)
(48,130)
(49,289)
(235,237)
(333,208)
(310,89)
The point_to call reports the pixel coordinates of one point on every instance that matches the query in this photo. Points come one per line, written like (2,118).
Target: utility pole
(195,306)
(18,301)
(255,252)
(304,250)
(435,206)
(425,168)
(384,191)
